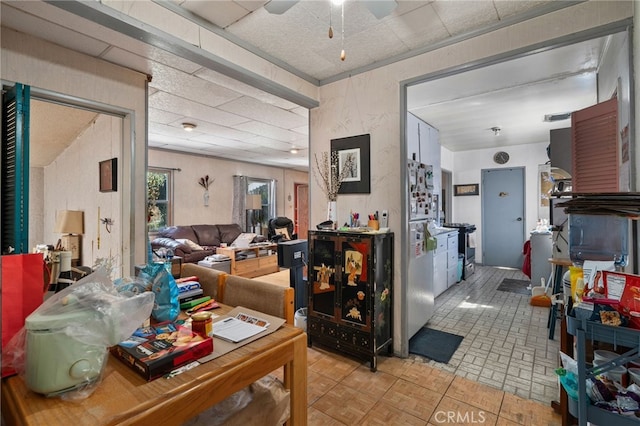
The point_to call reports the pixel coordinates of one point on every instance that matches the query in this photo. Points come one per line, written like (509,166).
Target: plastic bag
(63,348)
(165,289)
(568,375)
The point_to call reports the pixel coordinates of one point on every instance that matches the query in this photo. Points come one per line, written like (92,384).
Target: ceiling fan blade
(278,7)
(380,8)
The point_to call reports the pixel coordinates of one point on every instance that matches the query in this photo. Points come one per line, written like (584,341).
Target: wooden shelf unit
(262,260)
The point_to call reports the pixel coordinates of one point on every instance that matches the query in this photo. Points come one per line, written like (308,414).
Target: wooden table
(125,398)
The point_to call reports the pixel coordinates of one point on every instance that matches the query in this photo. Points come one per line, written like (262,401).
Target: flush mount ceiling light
(496,131)
(188,127)
(557,117)
(293,150)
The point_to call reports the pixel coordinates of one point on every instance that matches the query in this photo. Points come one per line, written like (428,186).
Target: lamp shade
(69,222)
(253,202)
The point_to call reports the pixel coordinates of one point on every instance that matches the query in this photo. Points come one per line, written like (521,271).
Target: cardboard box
(156,350)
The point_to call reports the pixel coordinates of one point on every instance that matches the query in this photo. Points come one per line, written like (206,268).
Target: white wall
(71,182)
(467,168)
(47,66)
(188,200)
(370,103)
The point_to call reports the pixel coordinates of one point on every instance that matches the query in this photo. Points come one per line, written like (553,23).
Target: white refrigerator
(420,292)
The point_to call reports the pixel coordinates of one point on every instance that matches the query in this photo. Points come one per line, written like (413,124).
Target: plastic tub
(602,355)
(634,375)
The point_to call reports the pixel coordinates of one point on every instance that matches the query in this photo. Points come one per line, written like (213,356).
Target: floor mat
(434,344)
(515,286)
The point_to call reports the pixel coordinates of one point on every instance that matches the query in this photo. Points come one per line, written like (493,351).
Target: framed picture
(109,175)
(467,189)
(356,148)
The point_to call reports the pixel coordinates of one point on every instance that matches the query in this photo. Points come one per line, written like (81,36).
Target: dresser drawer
(452,242)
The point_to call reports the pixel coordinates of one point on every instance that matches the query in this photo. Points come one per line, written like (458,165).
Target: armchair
(281,229)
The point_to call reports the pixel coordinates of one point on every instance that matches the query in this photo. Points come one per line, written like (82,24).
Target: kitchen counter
(441,230)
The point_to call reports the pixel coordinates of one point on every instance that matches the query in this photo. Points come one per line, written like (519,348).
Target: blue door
(503,221)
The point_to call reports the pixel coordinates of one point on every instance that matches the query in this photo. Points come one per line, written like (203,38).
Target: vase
(206,198)
(332,211)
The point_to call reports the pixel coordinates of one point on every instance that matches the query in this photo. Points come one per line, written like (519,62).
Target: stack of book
(189,289)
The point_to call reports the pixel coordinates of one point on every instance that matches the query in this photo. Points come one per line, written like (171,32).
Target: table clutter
(65,340)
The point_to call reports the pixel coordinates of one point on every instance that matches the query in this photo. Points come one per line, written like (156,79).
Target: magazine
(238,328)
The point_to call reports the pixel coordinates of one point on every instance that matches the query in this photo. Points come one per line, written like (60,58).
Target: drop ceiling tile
(172,103)
(220,13)
(190,87)
(263,142)
(29,24)
(303,130)
(223,132)
(254,109)
(162,117)
(419,28)
(509,8)
(157,16)
(269,131)
(464,16)
(245,89)
(229,143)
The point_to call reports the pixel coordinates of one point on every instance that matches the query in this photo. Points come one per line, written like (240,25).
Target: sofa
(194,242)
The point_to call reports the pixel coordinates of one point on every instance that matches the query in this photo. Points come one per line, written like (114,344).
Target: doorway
(503,221)
(301,213)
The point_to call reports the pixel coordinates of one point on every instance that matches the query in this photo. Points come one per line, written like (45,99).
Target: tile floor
(502,373)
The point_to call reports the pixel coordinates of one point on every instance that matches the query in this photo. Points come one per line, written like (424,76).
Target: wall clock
(501,157)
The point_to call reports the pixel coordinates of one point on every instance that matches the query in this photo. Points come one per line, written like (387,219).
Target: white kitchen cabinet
(444,267)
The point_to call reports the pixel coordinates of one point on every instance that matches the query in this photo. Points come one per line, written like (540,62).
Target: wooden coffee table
(261,260)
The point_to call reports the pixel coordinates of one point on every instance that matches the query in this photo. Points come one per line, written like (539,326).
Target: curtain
(239,195)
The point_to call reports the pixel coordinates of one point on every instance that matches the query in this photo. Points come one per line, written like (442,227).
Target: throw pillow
(284,232)
(191,244)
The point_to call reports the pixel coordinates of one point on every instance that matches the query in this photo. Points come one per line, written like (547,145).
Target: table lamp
(252,203)
(71,223)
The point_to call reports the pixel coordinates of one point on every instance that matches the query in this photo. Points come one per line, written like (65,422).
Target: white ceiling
(240,122)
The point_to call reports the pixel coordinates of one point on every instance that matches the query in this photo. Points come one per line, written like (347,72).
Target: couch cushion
(170,243)
(229,232)
(194,246)
(208,235)
(179,232)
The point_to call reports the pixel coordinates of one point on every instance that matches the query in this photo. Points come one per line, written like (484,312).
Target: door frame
(401,344)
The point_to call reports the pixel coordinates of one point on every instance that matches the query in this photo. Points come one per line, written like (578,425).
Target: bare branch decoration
(327,175)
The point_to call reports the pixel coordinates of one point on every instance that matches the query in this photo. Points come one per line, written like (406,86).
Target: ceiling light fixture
(557,117)
(293,150)
(188,127)
(340,3)
(496,131)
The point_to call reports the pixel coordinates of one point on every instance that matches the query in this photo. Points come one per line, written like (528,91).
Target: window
(159,205)
(266,189)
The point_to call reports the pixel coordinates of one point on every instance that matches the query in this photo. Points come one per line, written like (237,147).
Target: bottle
(65,279)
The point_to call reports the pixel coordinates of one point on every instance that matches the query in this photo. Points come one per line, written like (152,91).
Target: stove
(466,245)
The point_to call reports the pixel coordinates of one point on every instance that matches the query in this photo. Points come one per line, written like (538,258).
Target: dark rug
(434,344)
(512,285)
